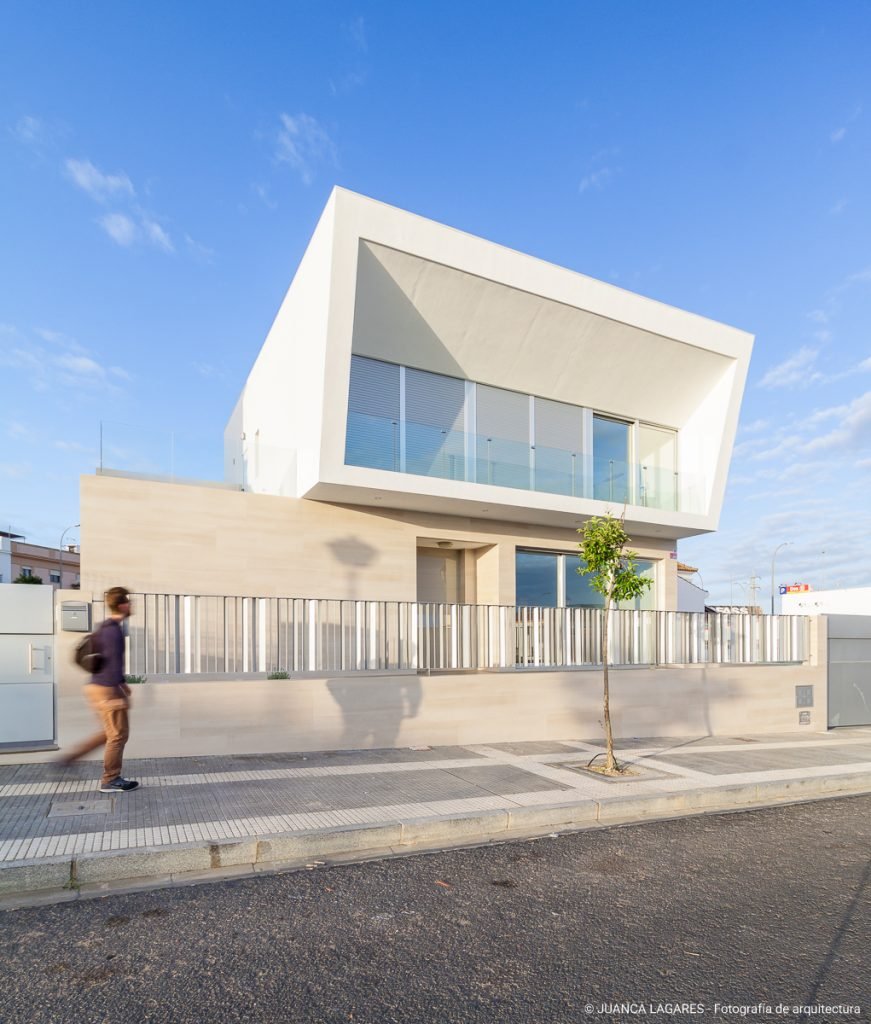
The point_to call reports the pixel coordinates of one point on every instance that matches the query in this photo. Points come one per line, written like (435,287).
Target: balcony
(404,446)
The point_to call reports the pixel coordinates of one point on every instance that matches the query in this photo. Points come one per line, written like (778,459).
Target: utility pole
(754,586)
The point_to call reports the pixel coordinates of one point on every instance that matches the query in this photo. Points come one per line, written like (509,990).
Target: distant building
(18,558)
(691,597)
(847,601)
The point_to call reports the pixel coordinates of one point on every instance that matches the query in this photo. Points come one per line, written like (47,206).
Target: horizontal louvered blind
(374,388)
(434,399)
(558,425)
(502,414)
(434,421)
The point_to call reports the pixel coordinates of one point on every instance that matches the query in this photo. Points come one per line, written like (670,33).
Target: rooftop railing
(174,634)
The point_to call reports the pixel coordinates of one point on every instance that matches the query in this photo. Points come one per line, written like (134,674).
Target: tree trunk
(610,762)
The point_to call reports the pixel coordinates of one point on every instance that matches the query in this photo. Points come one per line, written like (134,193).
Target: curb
(65,879)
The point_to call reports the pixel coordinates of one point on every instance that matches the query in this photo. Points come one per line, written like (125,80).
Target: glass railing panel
(427,450)
(502,462)
(612,481)
(372,441)
(658,488)
(433,451)
(558,471)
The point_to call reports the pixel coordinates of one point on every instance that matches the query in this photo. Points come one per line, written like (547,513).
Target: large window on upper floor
(373,415)
(434,433)
(414,421)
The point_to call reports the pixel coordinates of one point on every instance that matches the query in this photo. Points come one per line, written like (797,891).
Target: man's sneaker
(119,785)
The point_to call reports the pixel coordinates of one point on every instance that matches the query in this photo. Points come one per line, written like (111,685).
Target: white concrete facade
(381,284)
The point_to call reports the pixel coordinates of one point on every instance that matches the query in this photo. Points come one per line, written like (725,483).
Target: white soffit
(420,313)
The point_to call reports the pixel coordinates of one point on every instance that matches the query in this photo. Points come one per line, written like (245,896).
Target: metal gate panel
(849,681)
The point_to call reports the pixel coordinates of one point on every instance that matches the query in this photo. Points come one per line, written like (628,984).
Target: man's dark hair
(115,597)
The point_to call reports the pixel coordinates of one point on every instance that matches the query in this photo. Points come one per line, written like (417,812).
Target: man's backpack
(87,654)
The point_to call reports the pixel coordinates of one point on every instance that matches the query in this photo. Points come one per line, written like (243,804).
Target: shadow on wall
(373,712)
(356,555)
(388,325)
(639,713)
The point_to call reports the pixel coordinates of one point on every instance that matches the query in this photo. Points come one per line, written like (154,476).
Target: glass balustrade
(426,450)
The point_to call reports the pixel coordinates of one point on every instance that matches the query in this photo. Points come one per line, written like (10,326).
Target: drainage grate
(70,808)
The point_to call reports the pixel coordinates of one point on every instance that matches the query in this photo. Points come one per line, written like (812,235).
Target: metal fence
(176,634)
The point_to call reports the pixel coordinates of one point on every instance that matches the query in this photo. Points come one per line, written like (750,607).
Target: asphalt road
(765,907)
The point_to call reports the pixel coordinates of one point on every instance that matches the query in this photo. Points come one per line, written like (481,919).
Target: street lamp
(779,546)
(61,549)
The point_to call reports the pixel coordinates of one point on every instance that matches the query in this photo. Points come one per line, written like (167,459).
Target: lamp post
(773,557)
(61,550)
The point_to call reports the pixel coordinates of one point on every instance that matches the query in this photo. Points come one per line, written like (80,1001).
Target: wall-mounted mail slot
(75,617)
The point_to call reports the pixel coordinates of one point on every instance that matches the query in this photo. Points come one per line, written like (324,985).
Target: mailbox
(75,617)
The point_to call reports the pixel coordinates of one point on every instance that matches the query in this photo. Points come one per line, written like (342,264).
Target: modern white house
(431,417)
(429,421)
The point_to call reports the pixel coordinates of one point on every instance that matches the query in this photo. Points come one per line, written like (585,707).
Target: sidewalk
(201,818)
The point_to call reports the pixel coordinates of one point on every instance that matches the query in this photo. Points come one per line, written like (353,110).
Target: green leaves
(613,571)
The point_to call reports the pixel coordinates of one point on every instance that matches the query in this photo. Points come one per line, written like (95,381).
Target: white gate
(27,698)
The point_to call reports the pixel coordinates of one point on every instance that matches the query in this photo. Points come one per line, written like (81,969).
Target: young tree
(613,573)
(21,578)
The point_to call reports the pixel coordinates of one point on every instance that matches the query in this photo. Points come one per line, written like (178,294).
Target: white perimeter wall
(853,601)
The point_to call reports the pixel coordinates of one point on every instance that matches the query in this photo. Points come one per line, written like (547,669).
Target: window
(611,470)
(551,579)
(537,578)
(373,415)
(54,576)
(26,570)
(558,430)
(502,426)
(435,441)
(657,463)
(409,420)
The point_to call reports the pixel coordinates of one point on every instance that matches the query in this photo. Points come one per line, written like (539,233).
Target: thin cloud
(598,179)
(28,130)
(840,133)
(356,32)
(66,364)
(201,253)
(795,372)
(120,228)
(305,145)
(156,235)
(853,429)
(98,185)
(262,193)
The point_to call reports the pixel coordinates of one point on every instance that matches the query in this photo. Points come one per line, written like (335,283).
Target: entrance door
(438,576)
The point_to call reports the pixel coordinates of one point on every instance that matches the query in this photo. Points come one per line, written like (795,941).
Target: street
(761,912)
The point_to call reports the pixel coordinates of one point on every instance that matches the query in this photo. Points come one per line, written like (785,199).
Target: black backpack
(87,654)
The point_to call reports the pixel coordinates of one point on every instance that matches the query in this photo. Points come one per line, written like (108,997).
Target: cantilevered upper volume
(412,366)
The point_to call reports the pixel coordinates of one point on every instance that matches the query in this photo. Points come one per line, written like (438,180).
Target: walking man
(109,696)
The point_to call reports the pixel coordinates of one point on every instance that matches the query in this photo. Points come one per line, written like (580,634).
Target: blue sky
(162,166)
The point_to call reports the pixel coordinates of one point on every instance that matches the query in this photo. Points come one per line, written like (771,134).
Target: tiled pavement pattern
(46,811)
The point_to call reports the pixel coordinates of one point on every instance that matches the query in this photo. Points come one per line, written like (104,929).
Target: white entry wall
(27,697)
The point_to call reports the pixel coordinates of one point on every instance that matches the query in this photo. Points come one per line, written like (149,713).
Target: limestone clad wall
(243,716)
(156,537)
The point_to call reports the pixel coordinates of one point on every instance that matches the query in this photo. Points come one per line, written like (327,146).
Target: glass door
(611,469)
